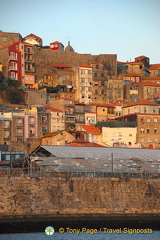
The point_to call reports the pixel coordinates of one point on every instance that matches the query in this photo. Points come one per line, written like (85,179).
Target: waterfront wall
(25,196)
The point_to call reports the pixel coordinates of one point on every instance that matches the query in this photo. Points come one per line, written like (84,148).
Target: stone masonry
(55,196)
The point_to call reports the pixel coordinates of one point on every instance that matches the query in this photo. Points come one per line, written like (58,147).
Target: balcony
(13,58)
(29,70)
(7,126)
(19,124)
(13,68)
(69,112)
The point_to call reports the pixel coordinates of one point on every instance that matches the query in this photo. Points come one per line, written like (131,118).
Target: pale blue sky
(128,28)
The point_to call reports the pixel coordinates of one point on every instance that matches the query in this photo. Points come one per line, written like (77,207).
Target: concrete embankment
(59,199)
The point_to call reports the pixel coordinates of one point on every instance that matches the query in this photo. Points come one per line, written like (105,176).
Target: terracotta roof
(34,36)
(155,67)
(91,129)
(135,63)
(75,145)
(149,84)
(142,102)
(104,105)
(131,75)
(53,109)
(56,42)
(86,66)
(92,145)
(151,78)
(79,140)
(141,57)
(52,133)
(4,163)
(60,65)
(63,98)
(119,103)
(90,112)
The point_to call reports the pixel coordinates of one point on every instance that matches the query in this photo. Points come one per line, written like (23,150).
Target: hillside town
(52,95)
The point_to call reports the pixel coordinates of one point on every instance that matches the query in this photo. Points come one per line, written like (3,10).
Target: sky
(128,28)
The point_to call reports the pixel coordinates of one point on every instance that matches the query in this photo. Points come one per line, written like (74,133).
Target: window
(110,94)
(95,74)
(119,94)
(89,72)
(155,130)
(97,66)
(154,110)
(102,74)
(96,91)
(140,67)
(82,71)
(142,130)
(144,109)
(82,80)
(148,140)
(155,120)
(148,130)
(119,85)
(110,85)
(130,134)
(148,120)
(31,120)
(82,88)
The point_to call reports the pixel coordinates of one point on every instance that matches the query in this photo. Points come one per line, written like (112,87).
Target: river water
(155,235)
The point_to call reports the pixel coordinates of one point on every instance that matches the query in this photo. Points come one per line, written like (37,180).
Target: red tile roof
(141,102)
(155,67)
(91,129)
(131,75)
(151,78)
(60,65)
(56,42)
(84,65)
(63,98)
(75,145)
(135,63)
(141,57)
(34,36)
(53,109)
(52,134)
(92,145)
(149,84)
(90,112)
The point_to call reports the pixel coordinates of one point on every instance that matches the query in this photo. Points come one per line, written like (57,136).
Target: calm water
(67,236)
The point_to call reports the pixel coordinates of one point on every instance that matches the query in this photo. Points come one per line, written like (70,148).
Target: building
(79,114)
(17,60)
(99,77)
(57,120)
(33,39)
(90,133)
(143,59)
(148,128)
(7,38)
(141,106)
(149,90)
(120,134)
(83,83)
(114,89)
(155,70)
(132,77)
(57,46)
(105,112)
(61,137)
(90,118)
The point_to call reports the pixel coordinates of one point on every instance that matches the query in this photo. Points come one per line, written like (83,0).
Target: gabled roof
(34,36)
(141,57)
(142,102)
(85,66)
(135,63)
(91,129)
(51,134)
(53,109)
(93,145)
(75,145)
(155,66)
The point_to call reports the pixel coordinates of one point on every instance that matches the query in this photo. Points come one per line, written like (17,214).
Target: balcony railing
(12,68)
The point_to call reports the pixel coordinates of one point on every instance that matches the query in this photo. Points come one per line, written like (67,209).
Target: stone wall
(34,96)
(45,56)
(7,38)
(25,196)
